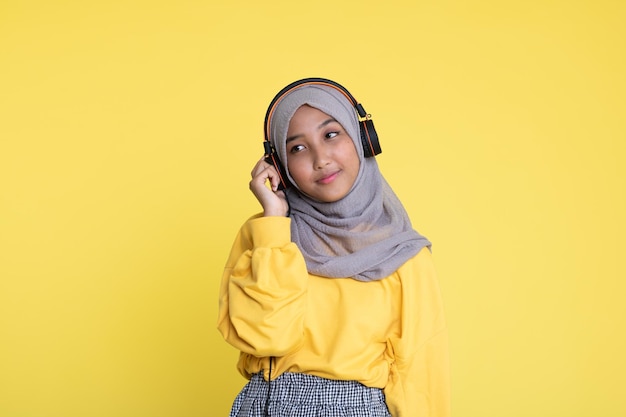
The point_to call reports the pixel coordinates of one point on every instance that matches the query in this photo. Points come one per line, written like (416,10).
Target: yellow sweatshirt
(388,334)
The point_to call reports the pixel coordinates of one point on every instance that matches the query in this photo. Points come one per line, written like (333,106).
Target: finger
(276,179)
(261,177)
(272,177)
(260,166)
(267,172)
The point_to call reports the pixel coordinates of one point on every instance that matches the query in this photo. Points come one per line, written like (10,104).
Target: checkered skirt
(303,395)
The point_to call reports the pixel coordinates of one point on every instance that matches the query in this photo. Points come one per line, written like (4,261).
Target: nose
(322,157)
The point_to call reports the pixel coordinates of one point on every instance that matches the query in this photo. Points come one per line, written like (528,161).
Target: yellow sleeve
(263,290)
(419,382)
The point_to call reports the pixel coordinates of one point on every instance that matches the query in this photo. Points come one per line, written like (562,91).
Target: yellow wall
(128,131)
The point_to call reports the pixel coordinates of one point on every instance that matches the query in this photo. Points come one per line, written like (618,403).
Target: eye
(296,148)
(331,135)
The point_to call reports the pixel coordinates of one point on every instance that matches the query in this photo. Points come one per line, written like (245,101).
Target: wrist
(274,213)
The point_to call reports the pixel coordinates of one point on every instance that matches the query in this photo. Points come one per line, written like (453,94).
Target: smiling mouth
(328,179)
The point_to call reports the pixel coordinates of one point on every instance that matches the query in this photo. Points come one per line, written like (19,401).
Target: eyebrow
(321,125)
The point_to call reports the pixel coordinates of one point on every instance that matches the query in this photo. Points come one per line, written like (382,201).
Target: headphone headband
(310,81)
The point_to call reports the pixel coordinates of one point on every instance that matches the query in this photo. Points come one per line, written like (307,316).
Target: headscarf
(366,235)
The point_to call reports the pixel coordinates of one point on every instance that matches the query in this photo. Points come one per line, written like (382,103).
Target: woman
(329,294)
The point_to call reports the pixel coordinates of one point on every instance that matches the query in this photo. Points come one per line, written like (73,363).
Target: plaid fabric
(302,395)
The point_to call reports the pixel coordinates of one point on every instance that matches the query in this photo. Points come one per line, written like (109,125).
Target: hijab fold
(367,235)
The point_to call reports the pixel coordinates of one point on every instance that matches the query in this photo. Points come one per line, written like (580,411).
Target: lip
(329,178)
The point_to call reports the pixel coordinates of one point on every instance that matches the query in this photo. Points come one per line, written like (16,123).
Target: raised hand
(273,201)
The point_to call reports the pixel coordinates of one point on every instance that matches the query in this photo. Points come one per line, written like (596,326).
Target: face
(321,156)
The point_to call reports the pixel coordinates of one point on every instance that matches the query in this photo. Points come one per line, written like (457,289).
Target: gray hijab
(367,235)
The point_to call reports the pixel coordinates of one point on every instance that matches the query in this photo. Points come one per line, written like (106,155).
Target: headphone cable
(269,389)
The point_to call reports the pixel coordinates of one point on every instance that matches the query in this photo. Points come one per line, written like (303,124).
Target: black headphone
(369,137)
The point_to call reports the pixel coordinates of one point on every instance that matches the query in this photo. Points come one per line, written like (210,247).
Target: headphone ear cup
(369,139)
(271,157)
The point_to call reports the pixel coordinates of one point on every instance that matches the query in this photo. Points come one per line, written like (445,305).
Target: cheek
(296,170)
(351,157)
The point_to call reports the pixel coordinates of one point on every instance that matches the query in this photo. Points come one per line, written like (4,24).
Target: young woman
(330,294)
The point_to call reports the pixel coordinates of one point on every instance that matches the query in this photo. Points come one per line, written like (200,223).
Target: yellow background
(128,131)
